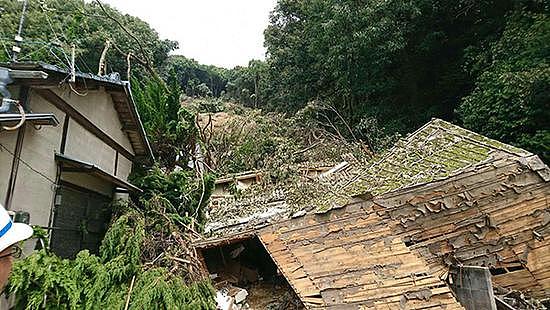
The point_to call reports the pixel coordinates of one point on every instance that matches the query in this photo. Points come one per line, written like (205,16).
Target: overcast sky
(224,33)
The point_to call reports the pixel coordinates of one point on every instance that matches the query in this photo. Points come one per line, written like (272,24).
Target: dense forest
(396,64)
(481,64)
(358,72)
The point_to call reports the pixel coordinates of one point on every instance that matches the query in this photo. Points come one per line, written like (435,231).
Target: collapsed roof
(435,151)
(383,234)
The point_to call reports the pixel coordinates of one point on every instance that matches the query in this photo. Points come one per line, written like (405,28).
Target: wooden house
(68,155)
(394,230)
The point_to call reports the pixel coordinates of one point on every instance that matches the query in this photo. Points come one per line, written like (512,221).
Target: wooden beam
(83,121)
(80,84)
(116,165)
(15,166)
(129,127)
(24,98)
(64,134)
(76,169)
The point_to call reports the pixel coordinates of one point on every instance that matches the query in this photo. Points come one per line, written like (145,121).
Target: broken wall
(495,215)
(349,258)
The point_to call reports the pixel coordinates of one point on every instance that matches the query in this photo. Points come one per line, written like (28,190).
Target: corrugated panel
(349,259)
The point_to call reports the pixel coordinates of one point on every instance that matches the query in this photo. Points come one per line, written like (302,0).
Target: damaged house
(446,219)
(68,142)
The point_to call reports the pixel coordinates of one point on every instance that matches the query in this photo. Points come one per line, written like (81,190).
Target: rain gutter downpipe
(6,95)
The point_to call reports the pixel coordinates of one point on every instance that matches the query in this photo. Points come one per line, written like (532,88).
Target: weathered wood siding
(496,215)
(349,259)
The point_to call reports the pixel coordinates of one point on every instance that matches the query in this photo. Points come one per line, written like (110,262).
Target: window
(80,221)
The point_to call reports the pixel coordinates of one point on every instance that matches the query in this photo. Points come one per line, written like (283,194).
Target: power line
(33,52)
(28,165)
(55,34)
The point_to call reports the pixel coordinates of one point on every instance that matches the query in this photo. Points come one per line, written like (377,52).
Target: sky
(224,33)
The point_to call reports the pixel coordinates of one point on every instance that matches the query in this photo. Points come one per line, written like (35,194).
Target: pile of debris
(514,300)
(260,295)
(246,277)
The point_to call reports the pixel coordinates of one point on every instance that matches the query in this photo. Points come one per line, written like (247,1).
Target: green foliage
(52,26)
(248,84)
(195,79)
(511,99)
(156,287)
(393,63)
(205,105)
(85,282)
(245,139)
(44,281)
(41,234)
(171,129)
(183,192)
(335,50)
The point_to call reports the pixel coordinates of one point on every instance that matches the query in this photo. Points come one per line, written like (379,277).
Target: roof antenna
(18,38)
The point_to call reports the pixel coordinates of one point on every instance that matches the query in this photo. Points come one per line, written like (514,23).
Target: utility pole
(16,49)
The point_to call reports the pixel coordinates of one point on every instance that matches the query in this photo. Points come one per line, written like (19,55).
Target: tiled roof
(436,151)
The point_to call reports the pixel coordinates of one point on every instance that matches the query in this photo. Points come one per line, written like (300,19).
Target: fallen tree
(145,262)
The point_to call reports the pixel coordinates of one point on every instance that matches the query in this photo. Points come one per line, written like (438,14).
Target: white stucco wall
(33,191)
(89,182)
(124,167)
(8,140)
(83,145)
(98,107)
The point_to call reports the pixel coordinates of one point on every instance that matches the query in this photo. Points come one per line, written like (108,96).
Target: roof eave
(123,86)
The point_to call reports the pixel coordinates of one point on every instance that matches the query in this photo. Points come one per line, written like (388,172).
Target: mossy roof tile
(435,151)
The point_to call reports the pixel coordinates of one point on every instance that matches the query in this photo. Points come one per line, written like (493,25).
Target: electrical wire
(57,57)
(27,165)
(84,64)
(76,92)
(27,56)
(55,34)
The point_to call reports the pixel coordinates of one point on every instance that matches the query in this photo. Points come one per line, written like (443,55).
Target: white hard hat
(10,232)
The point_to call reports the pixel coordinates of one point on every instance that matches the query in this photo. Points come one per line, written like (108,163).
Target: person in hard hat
(10,235)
